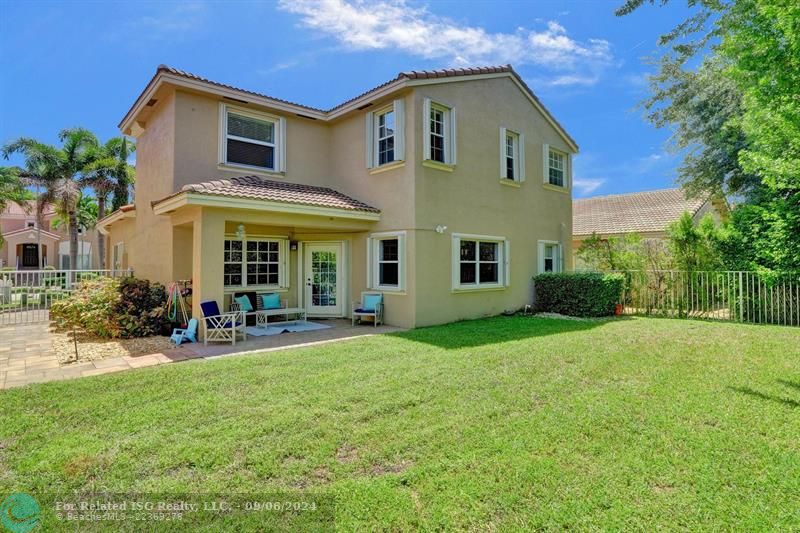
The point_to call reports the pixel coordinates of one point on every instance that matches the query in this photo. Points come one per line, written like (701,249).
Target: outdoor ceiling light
(240,232)
(440,228)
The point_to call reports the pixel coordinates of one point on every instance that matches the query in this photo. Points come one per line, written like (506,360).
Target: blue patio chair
(371,305)
(189,334)
(221,327)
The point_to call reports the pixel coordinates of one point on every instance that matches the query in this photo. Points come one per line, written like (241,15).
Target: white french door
(324,279)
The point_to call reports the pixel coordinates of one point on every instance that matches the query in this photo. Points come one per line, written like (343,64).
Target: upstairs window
(386,135)
(555,167)
(439,123)
(512,155)
(251,139)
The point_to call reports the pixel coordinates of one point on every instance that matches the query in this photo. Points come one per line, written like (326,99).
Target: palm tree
(109,173)
(86,211)
(12,189)
(57,170)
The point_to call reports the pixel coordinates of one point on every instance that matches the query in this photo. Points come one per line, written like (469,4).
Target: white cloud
(394,25)
(587,186)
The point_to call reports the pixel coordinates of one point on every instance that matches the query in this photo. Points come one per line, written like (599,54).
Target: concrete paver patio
(27,355)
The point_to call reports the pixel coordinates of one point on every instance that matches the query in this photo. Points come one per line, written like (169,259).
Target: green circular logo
(19,513)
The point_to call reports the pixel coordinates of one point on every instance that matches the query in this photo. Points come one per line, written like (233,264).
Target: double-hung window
(439,141)
(550,256)
(253,262)
(387,261)
(251,139)
(386,135)
(512,155)
(556,167)
(479,262)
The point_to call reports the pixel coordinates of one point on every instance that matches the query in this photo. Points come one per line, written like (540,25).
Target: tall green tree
(86,210)
(110,173)
(727,86)
(58,171)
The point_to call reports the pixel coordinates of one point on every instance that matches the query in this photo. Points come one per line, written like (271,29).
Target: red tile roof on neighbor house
(258,188)
(649,211)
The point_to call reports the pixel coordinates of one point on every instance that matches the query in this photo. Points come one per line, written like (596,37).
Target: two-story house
(446,190)
(22,240)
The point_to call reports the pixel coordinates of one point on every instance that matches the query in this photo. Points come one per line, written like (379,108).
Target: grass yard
(496,424)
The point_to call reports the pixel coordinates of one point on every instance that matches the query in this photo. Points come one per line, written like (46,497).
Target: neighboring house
(22,238)
(647,213)
(444,190)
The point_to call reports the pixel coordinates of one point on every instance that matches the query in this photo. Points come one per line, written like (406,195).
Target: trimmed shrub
(578,293)
(141,310)
(112,308)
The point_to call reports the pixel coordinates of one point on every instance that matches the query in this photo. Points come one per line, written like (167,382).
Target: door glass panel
(323,279)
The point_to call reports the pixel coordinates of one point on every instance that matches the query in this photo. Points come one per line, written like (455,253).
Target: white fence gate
(26,295)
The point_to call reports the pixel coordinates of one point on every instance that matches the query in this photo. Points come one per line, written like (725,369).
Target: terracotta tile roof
(409,75)
(258,188)
(184,74)
(627,213)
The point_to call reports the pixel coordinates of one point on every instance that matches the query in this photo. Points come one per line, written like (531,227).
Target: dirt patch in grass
(93,348)
(392,468)
(346,454)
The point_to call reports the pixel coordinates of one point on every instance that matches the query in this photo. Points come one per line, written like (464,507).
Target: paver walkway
(27,356)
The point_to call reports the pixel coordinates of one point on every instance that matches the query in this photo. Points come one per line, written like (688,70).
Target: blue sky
(83,63)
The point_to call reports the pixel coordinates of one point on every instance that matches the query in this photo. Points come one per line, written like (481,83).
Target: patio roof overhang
(126,211)
(186,198)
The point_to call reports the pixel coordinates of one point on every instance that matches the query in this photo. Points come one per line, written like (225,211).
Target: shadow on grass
(791,384)
(494,330)
(770,397)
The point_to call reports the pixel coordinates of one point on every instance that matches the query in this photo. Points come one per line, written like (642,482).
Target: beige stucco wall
(473,200)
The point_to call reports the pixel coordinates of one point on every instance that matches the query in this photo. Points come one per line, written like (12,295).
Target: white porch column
(208,238)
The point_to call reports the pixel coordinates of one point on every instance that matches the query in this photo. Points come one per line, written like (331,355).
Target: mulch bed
(93,348)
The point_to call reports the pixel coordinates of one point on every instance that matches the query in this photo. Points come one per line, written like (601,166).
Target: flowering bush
(113,308)
(90,307)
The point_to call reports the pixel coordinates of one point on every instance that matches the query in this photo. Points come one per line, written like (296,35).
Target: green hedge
(578,293)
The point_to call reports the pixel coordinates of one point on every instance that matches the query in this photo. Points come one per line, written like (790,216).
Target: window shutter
(568,173)
(282,145)
(399,130)
(370,140)
(540,257)
(546,163)
(370,244)
(426,129)
(452,132)
(507,260)
(503,171)
(521,145)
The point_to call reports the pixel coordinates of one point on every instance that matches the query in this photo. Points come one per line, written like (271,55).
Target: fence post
(741,299)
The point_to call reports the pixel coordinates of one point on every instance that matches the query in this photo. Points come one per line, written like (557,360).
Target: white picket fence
(26,295)
(740,296)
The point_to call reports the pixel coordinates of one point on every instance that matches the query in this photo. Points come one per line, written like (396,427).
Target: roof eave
(185,198)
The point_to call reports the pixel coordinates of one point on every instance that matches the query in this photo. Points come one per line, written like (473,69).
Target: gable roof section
(649,211)
(45,233)
(258,188)
(402,80)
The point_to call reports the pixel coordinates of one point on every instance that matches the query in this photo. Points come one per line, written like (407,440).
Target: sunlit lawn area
(501,423)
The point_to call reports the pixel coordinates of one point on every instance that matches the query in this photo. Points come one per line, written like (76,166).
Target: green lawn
(495,424)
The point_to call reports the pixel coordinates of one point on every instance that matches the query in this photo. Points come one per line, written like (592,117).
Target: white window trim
(519,155)
(449,128)
(372,140)
(559,256)
(283,263)
(279,129)
(503,267)
(546,148)
(373,255)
